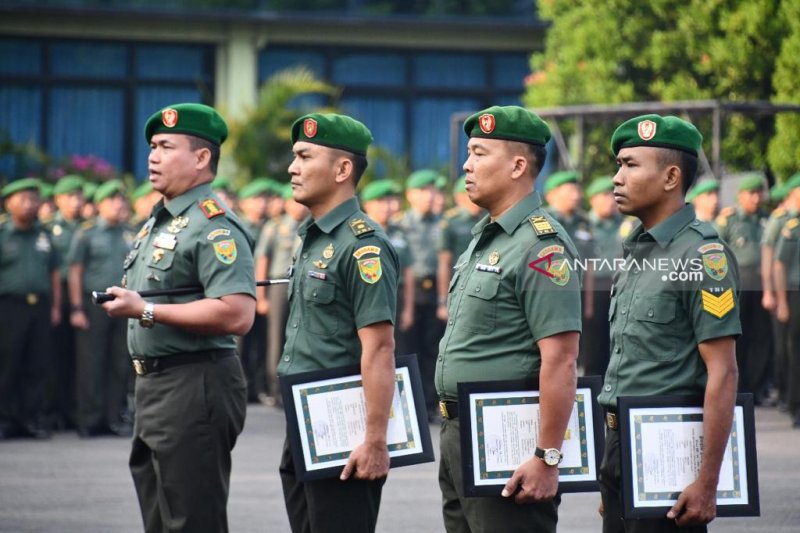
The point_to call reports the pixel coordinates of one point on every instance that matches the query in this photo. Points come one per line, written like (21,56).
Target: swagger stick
(99,297)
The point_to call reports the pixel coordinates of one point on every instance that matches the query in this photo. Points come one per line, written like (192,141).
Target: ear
(203,158)
(672,178)
(344,170)
(519,167)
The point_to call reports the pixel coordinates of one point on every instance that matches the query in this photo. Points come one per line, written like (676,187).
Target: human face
(565,198)
(379,210)
(603,204)
(488,169)
(23,206)
(707,202)
(113,209)
(639,181)
(312,174)
(173,166)
(254,208)
(421,200)
(69,204)
(750,201)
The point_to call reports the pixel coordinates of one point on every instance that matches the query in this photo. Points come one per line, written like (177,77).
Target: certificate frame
(636,412)
(302,394)
(487,483)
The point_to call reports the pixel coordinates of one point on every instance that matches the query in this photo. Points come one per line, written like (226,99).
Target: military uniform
(344,279)
(404,343)
(456,230)
(253,345)
(787,251)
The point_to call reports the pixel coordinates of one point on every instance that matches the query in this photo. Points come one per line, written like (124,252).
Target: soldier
(276,246)
(454,236)
(144,198)
(377,198)
(47,206)
(742,228)
(103,363)
(787,288)
(705,198)
(605,222)
(668,337)
(191,393)
(30,303)
(342,307)
(222,187)
(420,226)
(89,210)
(508,320)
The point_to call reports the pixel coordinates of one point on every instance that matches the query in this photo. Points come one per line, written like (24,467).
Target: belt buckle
(427,284)
(32,298)
(139,368)
(443,410)
(611,420)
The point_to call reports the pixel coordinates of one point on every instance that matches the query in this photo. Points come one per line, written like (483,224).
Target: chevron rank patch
(719,306)
(542,226)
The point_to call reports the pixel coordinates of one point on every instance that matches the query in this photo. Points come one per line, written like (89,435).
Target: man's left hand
(126,304)
(696,506)
(367,461)
(533,481)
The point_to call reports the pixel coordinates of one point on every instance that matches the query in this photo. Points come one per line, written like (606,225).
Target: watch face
(552,456)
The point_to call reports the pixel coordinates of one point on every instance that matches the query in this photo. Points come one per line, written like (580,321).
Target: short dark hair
(535,155)
(358,161)
(684,161)
(198,143)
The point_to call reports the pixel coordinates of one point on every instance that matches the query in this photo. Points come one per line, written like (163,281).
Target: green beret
(460,185)
(142,190)
(25,184)
(600,185)
(68,184)
(221,182)
(274,188)
(441,183)
(89,188)
(751,182)
(657,131)
(256,187)
(779,192)
(508,123)
(560,178)
(286,191)
(379,189)
(190,119)
(334,131)
(108,189)
(793,183)
(46,190)
(422,178)
(701,188)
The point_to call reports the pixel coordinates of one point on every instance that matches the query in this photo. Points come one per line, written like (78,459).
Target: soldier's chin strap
(99,297)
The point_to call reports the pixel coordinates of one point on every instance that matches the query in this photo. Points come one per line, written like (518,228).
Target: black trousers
(426,334)
(754,347)
(596,334)
(329,505)
(25,353)
(793,376)
(253,352)
(187,420)
(61,395)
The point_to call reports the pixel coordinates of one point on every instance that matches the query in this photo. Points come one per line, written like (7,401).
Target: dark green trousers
(793,354)
(484,515)
(187,421)
(611,493)
(329,505)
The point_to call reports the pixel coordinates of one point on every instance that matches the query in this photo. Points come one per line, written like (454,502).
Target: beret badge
(310,127)
(646,129)
(486,123)
(169,117)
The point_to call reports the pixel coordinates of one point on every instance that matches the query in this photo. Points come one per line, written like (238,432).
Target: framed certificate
(661,439)
(326,418)
(500,428)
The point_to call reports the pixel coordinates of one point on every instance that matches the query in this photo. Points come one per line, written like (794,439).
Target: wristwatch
(550,456)
(148,318)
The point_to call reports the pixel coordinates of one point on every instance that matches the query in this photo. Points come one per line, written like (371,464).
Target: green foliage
(784,148)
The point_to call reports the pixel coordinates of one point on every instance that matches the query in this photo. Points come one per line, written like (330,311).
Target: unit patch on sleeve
(370,269)
(225,251)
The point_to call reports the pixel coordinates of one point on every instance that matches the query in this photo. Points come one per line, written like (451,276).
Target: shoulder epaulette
(792,223)
(453,211)
(542,226)
(705,229)
(87,224)
(210,208)
(360,227)
(778,212)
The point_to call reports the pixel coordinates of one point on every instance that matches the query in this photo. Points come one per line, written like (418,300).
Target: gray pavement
(68,485)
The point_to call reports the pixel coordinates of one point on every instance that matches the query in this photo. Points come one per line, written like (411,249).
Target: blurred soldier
(439,196)
(420,226)
(103,362)
(47,207)
(30,303)
(605,221)
(343,302)
(455,235)
(705,198)
(787,288)
(222,187)
(276,246)
(668,337)
(377,198)
(68,195)
(509,320)
(88,211)
(742,228)
(144,198)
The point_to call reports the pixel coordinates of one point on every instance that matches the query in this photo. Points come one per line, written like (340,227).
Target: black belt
(31,298)
(157,364)
(448,410)
(612,422)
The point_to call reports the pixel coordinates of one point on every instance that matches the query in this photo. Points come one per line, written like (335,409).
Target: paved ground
(68,485)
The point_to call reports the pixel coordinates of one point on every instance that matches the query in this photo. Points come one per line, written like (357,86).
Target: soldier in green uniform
(191,393)
(705,198)
(787,288)
(47,206)
(88,209)
(30,303)
(510,319)
(377,199)
(274,251)
(668,336)
(420,225)
(742,227)
(143,198)
(342,303)
(103,363)
(455,234)
(605,222)
(68,195)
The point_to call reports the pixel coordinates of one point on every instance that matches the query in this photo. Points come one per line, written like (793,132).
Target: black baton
(99,297)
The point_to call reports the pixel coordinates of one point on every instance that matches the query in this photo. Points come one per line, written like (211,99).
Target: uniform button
(650,313)
(636,271)
(286,358)
(440,358)
(462,287)
(314,294)
(294,325)
(624,311)
(477,289)
(607,388)
(696,223)
(305,256)
(477,254)
(450,322)
(616,350)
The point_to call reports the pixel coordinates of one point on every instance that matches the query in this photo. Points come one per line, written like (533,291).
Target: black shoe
(796,420)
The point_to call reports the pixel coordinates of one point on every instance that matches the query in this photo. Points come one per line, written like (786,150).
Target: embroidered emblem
(711,247)
(370,269)
(486,123)
(310,128)
(220,232)
(211,208)
(328,252)
(169,117)
(366,250)
(716,265)
(225,251)
(646,129)
(719,306)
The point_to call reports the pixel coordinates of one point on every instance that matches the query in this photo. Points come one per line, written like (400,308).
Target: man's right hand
(79,320)
(441,313)
(768,301)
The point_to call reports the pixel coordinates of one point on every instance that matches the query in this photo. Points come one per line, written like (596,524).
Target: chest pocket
(320,317)
(164,262)
(653,334)
(479,305)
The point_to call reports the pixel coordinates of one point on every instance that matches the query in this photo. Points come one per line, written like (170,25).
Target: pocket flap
(658,309)
(319,291)
(483,285)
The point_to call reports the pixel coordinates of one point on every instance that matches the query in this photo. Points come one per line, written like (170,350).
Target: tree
(784,149)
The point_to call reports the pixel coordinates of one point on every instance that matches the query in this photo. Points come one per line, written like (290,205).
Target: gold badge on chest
(177,224)
(328,252)
(494,257)
(158,255)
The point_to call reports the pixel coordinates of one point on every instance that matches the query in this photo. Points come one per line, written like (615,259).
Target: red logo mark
(647,129)
(486,123)
(169,117)
(549,259)
(310,127)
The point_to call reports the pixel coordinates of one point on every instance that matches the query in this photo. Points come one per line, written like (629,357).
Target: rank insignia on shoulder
(211,208)
(719,306)
(542,226)
(360,227)
(792,223)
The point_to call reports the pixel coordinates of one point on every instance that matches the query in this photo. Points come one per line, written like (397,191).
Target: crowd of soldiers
(65,362)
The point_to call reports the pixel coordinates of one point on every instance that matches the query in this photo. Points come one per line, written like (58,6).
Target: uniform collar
(512,218)
(334,217)
(667,229)
(178,205)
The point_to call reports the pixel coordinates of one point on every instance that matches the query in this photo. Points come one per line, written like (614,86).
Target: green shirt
(192,241)
(62,231)
(422,234)
(499,306)
(578,228)
(278,242)
(253,229)
(607,243)
(777,219)
(405,256)
(742,232)
(456,230)
(27,259)
(101,249)
(787,251)
(656,323)
(344,279)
